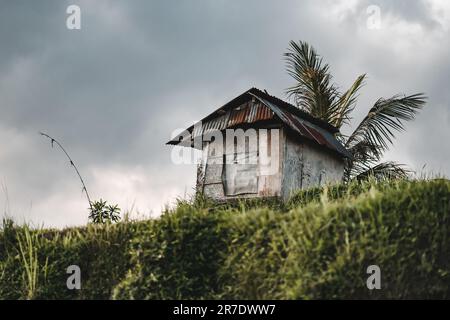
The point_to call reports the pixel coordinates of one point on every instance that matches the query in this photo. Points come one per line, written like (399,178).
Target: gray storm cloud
(114,91)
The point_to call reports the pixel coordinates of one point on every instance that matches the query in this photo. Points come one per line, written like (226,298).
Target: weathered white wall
(268,177)
(299,166)
(306,166)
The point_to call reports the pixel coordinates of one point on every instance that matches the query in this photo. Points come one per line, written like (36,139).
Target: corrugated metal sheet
(263,109)
(306,129)
(251,113)
(246,114)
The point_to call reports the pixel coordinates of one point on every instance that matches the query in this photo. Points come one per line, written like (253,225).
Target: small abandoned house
(257,145)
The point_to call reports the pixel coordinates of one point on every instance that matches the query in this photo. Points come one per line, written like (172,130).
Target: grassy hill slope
(316,246)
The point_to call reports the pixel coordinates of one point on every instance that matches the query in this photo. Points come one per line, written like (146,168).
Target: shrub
(322,250)
(177,256)
(101,212)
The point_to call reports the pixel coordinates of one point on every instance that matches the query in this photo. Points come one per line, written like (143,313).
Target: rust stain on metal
(319,138)
(250,113)
(306,129)
(245,114)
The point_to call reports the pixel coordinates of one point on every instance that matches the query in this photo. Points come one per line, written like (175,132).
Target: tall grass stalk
(28,248)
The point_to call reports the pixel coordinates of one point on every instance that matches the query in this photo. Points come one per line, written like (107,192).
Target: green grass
(318,245)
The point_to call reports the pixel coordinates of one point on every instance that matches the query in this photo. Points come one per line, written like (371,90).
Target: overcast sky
(114,91)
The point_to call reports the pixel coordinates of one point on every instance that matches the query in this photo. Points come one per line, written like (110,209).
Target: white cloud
(439,11)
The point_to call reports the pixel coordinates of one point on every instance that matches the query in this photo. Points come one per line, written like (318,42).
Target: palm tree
(315,93)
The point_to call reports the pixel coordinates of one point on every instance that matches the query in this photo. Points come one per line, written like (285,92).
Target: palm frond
(346,103)
(384,118)
(364,151)
(313,91)
(384,170)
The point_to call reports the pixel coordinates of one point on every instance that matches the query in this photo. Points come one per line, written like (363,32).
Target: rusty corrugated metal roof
(246,114)
(251,113)
(253,106)
(307,129)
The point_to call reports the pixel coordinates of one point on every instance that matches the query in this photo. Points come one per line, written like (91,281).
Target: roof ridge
(322,123)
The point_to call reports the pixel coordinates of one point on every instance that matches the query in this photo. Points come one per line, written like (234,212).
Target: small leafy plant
(102,213)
